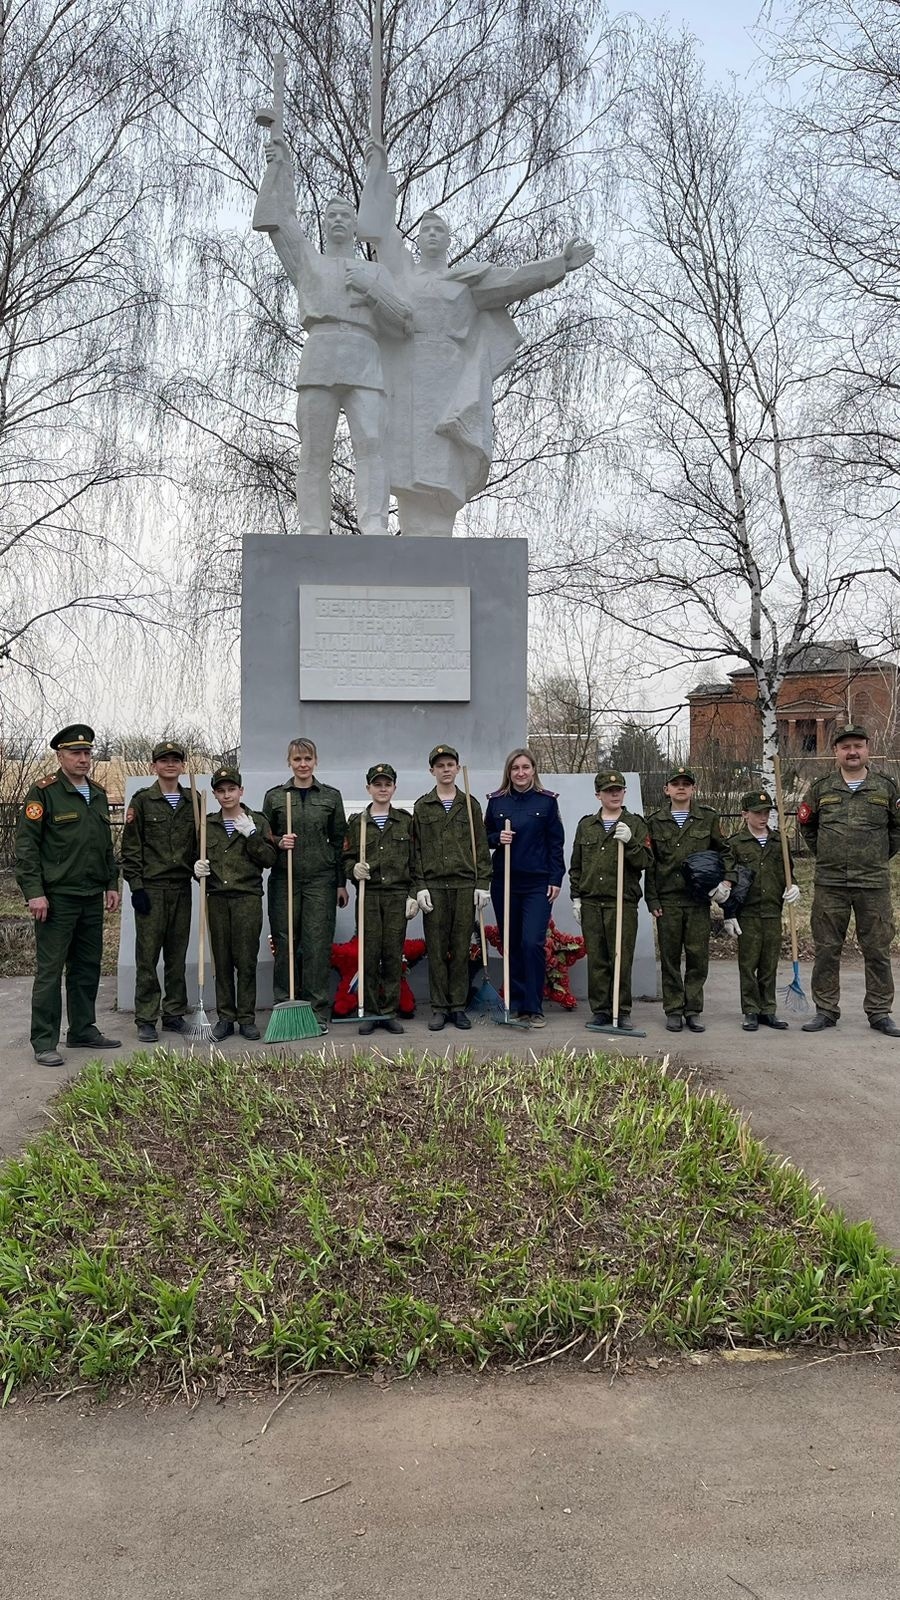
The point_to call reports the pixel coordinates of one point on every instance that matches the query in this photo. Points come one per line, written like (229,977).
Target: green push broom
(793,998)
(291,1019)
(198,1025)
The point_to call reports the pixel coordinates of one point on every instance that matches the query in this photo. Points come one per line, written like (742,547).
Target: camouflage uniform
(234,910)
(159,847)
(759,944)
(592,880)
(853,834)
(683,928)
(443,866)
(64,851)
(321,827)
(389,853)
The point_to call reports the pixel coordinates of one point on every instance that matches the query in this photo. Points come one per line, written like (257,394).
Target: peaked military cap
(851,732)
(226,775)
(684,773)
(609,780)
(756,800)
(442,750)
(76,737)
(167,747)
(382,770)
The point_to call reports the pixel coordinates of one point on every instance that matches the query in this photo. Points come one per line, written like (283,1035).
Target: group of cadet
(438,860)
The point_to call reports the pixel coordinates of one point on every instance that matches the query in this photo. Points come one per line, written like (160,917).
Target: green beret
(382,770)
(226,775)
(682,773)
(168,747)
(756,800)
(852,732)
(442,750)
(609,780)
(76,737)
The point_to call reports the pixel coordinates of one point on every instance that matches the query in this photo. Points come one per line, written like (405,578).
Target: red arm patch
(804,812)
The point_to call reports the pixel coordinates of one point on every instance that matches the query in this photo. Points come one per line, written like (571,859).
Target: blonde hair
(506,780)
(303,747)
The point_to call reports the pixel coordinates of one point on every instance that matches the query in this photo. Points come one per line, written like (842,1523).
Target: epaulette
(497,794)
(44,783)
(553,793)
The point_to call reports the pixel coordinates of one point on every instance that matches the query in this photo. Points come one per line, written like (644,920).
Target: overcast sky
(723,26)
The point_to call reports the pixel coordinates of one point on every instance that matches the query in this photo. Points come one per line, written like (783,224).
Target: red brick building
(830,683)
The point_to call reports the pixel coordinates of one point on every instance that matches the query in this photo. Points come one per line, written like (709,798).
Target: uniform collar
(159,794)
(68,784)
(294,787)
(437,798)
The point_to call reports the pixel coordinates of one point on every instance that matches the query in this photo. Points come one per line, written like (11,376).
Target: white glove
(622,831)
(482,899)
(576,907)
(423,901)
(720,893)
(791,895)
(362,870)
(412,907)
(732,927)
(201,869)
(244,825)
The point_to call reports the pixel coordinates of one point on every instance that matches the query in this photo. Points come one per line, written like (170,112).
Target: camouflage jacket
(594,865)
(236,864)
(671,846)
(63,842)
(766,893)
(159,841)
(443,845)
(389,851)
(851,833)
(320,825)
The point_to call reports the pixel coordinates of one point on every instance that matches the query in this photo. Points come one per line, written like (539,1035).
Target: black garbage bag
(739,891)
(703,870)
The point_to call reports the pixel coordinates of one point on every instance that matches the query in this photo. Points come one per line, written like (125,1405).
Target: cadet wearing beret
(239,846)
(851,822)
(388,874)
(593,873)
(676,830)
(758,933)
(66,869)
(159,845)
(449,886)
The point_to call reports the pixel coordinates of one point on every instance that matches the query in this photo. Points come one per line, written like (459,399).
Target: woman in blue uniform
(537,869)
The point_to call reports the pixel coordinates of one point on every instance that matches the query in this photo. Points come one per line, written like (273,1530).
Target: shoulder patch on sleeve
(130,814)
(805,811)
(34,810)
(44,783)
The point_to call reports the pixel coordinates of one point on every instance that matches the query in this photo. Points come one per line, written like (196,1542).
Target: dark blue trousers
(529,915)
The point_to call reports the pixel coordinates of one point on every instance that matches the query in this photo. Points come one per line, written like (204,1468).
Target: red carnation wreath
(345,960)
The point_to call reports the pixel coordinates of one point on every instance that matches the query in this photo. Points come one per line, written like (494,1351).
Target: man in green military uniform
(316,841)
(66,869)
(387,872)
(593,873)
(450,886)
(239,847)
(676,831)
(159,844)
(851,822)
(758,933)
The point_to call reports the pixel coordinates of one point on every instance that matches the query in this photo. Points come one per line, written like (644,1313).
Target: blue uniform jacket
(536,852)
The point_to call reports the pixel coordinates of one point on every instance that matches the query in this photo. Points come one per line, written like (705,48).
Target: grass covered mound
(208,1216)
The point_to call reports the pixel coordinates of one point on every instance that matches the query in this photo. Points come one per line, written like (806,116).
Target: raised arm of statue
(501,286)
(378,213)
(275,212)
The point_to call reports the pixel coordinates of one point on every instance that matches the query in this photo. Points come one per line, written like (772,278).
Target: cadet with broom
(593,873)
(159,846)
(386,868)
(449,887)
(239,847)
(758,932)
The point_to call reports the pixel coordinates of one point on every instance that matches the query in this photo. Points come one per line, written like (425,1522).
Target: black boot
(223,1029)
(885,1025)
(769,1020)
(694,1024)
(751,1021)
(437,1022)
(819,1023)
(673,1023)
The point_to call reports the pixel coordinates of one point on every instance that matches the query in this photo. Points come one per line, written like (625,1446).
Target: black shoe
(172,1024)
(223,1029)
(48,1058)
(751,1021)
(602,1019)
(98,1042)
(885,1025)
(694,1024)
(146,1033)
(819,1023)
(365,1028)
(625,1023)
(393,1025)
(673,1023)
(460,1020)
(437,1022)
(768,1020)
(249,1030)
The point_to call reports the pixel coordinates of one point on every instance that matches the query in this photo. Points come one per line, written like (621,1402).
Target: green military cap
(756,800)
(442,750)
(226,775)
(851,732)
(76,737)
(609,780)
(382,770)
(168,747)
(684,773)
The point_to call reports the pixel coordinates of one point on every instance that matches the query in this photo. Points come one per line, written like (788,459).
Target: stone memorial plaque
(384,643)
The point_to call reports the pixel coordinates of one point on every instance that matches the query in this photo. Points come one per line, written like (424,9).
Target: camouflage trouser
(683,930)
(384,931)
(164,931)
(448,939)
(70,940)
(315,908)
(829,921)
(598,924)
(235,924)
(759,948)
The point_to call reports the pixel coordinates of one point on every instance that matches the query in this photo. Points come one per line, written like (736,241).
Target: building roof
(828,655)
(701,689)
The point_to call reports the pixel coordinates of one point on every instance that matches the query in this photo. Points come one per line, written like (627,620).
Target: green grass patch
(218,1218)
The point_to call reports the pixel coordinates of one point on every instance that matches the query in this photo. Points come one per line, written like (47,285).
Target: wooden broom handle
(785,853)
(201,939)
(620,901)
(465,770)
(290,876)
(506,883)
(360,924)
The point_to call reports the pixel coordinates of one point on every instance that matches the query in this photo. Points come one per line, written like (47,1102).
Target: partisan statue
(407,348)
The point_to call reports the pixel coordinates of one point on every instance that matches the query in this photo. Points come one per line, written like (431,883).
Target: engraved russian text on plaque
(384,643)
